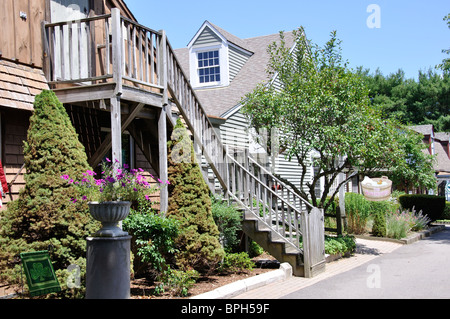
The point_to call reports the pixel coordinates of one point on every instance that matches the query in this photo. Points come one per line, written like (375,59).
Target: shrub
(446,213)
(228,221)
(190,203)
(397,225)
(43,215)
(236,262)
(430,205)
(379,225)
(177,282)
(357,209)
(153,237)
(339,244)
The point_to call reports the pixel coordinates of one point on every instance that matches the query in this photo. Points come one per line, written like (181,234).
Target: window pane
(216,54)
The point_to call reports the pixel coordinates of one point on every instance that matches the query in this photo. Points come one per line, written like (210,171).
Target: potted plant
(111,196)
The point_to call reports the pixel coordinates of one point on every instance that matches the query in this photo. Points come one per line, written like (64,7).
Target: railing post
(162,122)
(117,46)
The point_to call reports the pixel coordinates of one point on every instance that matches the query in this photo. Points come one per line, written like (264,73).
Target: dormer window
(208,67)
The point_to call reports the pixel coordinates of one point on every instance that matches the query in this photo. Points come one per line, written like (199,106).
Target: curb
(409,240)
(239,287)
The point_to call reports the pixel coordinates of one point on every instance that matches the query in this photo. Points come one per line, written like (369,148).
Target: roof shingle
(217,101)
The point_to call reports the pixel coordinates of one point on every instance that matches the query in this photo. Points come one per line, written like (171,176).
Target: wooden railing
(205,138)
(105,48)
(267,197)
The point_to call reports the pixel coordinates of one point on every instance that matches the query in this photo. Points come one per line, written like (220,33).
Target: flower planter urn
(109,214)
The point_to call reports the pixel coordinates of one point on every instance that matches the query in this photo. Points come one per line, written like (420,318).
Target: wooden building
(123,87)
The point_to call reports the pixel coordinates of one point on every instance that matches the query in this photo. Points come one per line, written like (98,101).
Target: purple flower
(147,197)
(65,177)
(74,200)
(110,179)
(84,197)
(108,160)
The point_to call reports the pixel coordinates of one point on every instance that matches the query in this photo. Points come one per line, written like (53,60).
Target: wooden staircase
(274,216)
(136,64)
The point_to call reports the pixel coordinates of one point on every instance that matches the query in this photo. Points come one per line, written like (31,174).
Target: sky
(385,34)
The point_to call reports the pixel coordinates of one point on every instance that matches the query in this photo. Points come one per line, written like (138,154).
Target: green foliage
(339,244)
(228,221)
(43,214)
(357,209)
(324,107)
(379,225)
(153,237)
(432,206)
(254,249)
(416,170)
(236,262)
(190,203)
(446,213)
(412,102)
(177,282)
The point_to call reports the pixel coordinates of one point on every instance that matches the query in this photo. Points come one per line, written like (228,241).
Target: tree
(425,101)
(323,114)
(416,170)
(190,204)
(43,214)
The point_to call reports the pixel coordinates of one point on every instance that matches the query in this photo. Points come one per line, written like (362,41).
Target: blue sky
(411,34)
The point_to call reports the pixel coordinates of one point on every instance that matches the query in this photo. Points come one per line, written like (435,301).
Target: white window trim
(223,63)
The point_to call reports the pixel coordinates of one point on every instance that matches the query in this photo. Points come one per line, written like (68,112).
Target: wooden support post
(117,47)
(116,130)
(162,124)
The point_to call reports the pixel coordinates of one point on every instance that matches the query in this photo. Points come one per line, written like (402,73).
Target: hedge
(430,205)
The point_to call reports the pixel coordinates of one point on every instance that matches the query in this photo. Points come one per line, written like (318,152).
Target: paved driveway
(419,270)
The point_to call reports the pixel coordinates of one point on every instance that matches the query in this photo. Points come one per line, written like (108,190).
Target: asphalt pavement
(381,270)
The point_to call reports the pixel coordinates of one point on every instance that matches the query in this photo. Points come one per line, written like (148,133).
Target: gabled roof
(218,101)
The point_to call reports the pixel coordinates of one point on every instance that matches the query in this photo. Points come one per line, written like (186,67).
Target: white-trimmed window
(208,63)
(209,66)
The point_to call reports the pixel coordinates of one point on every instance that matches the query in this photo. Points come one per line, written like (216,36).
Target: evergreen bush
(43,214)
(190,203)
(379,225)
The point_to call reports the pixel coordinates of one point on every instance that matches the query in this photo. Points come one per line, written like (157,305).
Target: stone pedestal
(108,267)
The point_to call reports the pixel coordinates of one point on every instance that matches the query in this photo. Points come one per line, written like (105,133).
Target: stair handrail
(294,226)
(187,102)
(283,184)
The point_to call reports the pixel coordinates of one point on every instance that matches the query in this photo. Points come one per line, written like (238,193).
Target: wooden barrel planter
(377,189)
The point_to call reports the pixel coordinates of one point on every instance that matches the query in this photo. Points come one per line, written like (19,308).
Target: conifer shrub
(43,216)
(190,203)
